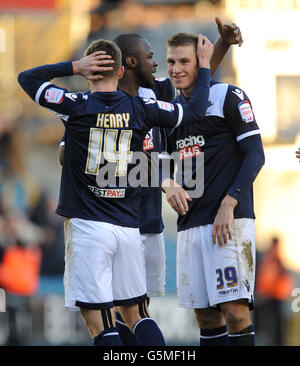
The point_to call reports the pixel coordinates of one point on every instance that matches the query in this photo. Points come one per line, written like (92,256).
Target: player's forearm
(196,108)
(31,80)
(166,175)
(221,47)
(229,203)
(253,161)
(167,183)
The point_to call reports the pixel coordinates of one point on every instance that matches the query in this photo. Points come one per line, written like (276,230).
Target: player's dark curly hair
(111,49)
(129,45)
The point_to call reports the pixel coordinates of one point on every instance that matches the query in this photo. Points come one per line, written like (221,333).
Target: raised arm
(32,79)
(37,83)
(195,109)
(230,34)
(172,115)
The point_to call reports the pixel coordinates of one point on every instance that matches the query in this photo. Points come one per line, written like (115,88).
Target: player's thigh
(190,275)
(90,250)
(155,261)
(230,269)
(129,273)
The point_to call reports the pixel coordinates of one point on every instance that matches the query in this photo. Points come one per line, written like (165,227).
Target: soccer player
(139,67)
(104,258)
(216,239)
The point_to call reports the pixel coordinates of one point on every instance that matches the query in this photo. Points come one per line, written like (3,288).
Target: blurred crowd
(31,234)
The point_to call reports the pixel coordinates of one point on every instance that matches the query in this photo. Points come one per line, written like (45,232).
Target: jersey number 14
(104,146)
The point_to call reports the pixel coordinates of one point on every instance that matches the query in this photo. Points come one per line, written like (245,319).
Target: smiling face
(182,67)
(146,66)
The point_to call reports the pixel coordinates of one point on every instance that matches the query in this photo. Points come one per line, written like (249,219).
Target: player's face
(146,65)
(182,67)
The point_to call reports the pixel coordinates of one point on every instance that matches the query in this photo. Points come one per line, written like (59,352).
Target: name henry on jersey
(113,120)
(190,146)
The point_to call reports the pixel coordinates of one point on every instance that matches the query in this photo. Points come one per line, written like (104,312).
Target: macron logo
(239,93)
(71,96)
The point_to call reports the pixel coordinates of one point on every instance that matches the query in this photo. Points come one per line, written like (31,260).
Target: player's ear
(121,72)
(130,62)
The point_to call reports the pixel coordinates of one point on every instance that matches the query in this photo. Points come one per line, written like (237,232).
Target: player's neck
(128,85)
(109,85)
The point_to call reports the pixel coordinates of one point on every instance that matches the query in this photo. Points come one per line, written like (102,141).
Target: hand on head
(205,51)
(90,66)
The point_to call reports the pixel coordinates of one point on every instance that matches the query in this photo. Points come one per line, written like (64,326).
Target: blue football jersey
(229,120)
(151,221)
(100,128)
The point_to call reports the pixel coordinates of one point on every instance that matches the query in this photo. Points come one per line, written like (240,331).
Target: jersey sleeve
(60,101)
(164,89)
(161,114)
(36,83)
(171,115)
(239,114)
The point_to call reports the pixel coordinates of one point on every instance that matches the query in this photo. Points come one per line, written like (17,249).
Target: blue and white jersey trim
(180,115)
(247,134)
(40,90)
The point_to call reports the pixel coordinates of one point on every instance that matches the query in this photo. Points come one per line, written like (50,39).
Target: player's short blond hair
(182,39)
(111,49)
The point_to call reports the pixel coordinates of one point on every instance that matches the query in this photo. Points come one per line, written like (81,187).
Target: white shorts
(208,274)
(155,259)
(104,265)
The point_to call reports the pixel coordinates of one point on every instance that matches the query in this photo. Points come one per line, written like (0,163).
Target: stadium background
(34,32)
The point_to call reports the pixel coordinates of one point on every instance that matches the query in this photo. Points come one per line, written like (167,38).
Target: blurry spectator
(25,227)
(19,195)
(53,248)
(274,286)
